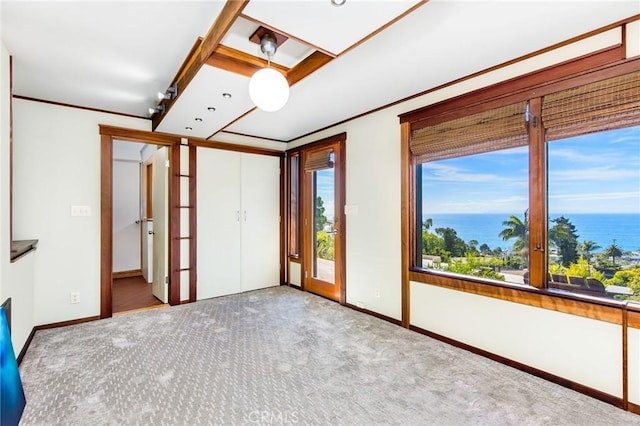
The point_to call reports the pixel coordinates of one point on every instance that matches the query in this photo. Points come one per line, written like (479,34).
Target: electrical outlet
(377,293)
(74,297)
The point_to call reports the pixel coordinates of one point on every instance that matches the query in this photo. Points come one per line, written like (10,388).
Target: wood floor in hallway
(132,293)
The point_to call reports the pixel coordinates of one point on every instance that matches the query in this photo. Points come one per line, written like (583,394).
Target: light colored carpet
(280,356)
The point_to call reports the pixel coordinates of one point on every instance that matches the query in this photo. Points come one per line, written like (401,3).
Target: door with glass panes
(323,223)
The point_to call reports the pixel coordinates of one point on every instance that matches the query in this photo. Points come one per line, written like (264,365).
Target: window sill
(21,248)
(556,300)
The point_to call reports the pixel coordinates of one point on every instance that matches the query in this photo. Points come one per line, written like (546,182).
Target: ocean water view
(600,228)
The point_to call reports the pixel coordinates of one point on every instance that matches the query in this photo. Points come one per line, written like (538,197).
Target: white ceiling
(117,55)
(112,55)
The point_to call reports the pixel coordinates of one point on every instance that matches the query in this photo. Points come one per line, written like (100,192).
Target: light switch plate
(350,209)
(80,211)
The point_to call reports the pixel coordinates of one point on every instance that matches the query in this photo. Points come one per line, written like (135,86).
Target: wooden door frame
(340,200)
(107,135)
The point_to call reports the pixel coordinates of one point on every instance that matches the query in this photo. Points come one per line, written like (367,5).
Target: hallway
(132,293)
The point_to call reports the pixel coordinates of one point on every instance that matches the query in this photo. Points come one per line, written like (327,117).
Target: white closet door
(219,215)
(260,221)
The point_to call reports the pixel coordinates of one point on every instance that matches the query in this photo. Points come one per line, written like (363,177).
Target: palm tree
(517,228)
(613,251)
(586,248)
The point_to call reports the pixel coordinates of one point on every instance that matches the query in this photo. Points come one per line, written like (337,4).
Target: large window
(594,214)
(472,189)
(474,214)
(543,189)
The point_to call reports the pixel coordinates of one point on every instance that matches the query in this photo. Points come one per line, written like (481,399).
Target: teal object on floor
(12,400)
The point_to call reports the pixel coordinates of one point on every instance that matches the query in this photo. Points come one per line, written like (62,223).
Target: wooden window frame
(530,87)
(295,255)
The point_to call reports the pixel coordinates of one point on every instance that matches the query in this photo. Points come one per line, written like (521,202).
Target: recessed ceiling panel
(288,54)
(324,25)
(194,107)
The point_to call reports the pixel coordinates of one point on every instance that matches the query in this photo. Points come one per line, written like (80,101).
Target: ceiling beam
(308,65)
(203,51)
(242,63)
(239,62)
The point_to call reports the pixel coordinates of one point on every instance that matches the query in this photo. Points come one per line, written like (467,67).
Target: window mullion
(537,197)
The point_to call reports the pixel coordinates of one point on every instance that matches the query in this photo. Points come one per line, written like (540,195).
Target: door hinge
(166,280)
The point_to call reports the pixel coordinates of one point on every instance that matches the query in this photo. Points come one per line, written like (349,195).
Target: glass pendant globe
(268,89)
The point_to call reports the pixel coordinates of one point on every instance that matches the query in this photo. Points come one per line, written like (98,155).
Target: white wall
(373,181)
(126,215)
(57,165)
(147,152)
(580,349)
(16,279)
(591,353)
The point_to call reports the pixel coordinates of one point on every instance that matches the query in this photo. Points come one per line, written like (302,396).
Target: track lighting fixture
(159,109)
(171,93)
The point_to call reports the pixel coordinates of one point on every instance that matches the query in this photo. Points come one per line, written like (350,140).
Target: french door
(323,224)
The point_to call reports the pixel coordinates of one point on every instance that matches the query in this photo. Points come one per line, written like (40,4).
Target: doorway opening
(140,257)
(169,277)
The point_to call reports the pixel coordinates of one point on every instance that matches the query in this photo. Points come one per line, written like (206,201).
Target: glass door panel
(323,221)
(324,231)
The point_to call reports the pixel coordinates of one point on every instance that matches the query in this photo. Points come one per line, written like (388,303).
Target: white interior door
(126,216)
(160,190)
(218,214)
(147,250)
(260,221)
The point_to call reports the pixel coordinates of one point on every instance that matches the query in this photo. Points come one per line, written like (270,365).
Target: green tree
(613,251)
(476,266)
(473,246)
(627,278)
(321,219)
(452,243)
(485,249)
(519,229)
(579,269)
(325,247)
(427,224)
(434,246)
(563,235)
(586,249)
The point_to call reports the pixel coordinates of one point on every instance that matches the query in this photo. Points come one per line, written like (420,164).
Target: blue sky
(325,189)
(597,173)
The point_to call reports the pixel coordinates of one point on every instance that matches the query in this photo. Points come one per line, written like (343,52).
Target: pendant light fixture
(268,88)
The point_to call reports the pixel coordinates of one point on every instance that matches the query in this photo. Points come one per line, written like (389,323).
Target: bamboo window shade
(595,107)
(318,160)
(499,128)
